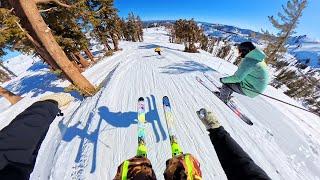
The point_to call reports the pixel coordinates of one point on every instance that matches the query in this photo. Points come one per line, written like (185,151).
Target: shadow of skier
(118,119)
(152,116)
(89,133)
(87,137)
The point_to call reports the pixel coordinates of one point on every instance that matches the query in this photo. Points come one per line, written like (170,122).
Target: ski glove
(220,79)
(208,119)
(63,99)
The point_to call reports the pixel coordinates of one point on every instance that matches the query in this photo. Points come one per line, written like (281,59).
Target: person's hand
(63,99)
(208,119)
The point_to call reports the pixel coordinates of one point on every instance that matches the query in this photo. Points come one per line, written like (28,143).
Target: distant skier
(20,141)
(235,162)
(158,50)
(252,76)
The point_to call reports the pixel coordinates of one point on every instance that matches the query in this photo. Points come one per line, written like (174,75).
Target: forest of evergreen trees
(59,32)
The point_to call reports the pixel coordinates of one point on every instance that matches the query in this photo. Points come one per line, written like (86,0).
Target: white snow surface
(98,133)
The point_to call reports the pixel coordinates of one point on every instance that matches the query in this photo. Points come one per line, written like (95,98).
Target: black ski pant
(227,89)
(21,139)
(235,162)
(159,52)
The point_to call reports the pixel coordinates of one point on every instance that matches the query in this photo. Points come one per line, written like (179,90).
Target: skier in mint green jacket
(252,76)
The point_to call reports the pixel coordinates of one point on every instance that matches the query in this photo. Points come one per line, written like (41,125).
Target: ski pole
(280,100)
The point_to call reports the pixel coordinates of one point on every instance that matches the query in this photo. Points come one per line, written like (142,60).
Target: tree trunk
(108,46)
(81,59)
(8,70)
(89,54)
(12,98)
(43,53)
(115,41)
(75,62)
(39,48)
(4,76)
(28,10)
(47,58)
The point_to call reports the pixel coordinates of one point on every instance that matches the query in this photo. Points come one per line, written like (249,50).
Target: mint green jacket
(252,74)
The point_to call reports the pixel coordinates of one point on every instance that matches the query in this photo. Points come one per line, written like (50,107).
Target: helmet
(245,47)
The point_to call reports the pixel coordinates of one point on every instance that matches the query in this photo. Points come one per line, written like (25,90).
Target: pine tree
(43,40)
(289,20)
(132,28)
(285,76)
(107,24)
(224,51)
(63,23)
(15,38)
(204,42)
(188,33)
(11,36)
(139,28)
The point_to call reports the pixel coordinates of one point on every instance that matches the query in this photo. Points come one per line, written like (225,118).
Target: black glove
(221,80)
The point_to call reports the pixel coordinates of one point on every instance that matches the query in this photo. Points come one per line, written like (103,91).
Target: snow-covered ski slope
(98,133)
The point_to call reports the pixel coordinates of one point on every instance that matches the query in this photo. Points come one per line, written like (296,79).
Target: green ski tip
(142,150)
(176,149)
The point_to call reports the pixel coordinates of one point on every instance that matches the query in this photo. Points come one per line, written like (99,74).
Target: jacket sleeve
(21,139)
(235,162)
(245,67)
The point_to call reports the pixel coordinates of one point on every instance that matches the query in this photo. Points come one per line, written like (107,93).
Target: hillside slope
(98,133)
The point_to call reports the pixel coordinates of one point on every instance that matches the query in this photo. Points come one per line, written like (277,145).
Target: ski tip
(141,99)
(165,101)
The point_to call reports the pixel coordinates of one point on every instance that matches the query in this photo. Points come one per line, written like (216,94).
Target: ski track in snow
(100,132)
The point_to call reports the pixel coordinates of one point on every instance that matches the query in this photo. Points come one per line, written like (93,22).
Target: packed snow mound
(98,133)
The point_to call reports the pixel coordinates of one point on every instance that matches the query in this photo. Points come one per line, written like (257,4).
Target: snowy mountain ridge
(98,133)
(306,50)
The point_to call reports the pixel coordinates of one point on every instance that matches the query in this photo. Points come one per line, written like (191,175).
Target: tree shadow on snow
(186,67)
(150,56)
(37,66)
(38,84)
(153,46)
(149,46)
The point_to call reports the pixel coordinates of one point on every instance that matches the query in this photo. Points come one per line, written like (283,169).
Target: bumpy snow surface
(98,133)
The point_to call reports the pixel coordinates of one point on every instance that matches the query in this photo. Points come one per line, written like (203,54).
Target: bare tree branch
(52,1)
(28,35)
(3,29)
(46,10)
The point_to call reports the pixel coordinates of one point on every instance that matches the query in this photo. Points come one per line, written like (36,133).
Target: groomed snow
(98,133)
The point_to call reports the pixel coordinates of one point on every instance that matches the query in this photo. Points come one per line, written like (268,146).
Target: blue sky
(250,14)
